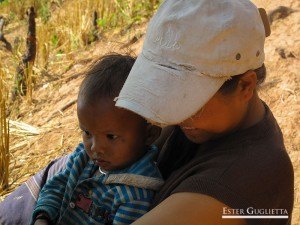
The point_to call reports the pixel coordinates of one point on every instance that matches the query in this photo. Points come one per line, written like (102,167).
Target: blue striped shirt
(77,196)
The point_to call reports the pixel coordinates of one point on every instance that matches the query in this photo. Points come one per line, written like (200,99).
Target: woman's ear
(153,132)
(247,85)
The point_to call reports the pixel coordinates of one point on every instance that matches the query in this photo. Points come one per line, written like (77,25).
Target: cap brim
(165,95)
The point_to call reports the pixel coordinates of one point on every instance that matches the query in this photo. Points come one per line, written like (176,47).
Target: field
(43,126)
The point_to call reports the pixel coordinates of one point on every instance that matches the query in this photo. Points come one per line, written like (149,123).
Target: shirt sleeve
(260,178)
(215,189)
(51,196)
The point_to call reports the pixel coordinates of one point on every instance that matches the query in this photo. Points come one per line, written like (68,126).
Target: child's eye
(86,133)
(111,136)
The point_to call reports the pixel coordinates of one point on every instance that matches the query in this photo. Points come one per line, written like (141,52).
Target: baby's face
(114,138)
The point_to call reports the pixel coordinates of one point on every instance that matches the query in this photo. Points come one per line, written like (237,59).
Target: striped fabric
(76,196)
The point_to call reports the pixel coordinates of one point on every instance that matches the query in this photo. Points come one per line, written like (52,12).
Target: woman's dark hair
(106,77)
(230,85)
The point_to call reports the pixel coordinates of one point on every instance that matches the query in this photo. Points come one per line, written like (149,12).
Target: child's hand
(41,222)
(42,219)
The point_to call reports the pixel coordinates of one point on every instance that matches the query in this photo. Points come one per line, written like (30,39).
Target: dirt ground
(55,132)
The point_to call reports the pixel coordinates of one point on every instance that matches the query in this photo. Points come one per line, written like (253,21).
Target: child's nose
(97,147)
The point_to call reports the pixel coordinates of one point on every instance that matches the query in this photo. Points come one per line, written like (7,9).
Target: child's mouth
(100,162)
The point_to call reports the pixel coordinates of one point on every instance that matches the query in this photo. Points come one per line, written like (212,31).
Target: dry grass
(4,134)
(68,25)
(62,28)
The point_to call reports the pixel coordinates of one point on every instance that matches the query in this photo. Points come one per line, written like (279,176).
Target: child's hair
(106,77)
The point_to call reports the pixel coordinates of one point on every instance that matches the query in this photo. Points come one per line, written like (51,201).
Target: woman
(199,69)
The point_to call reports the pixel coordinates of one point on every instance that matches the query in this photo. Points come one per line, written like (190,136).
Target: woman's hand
(188,208)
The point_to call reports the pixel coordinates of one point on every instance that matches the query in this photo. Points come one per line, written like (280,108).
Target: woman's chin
(197,136)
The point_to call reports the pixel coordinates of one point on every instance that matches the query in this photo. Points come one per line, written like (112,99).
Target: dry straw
(262,3)
(4,134)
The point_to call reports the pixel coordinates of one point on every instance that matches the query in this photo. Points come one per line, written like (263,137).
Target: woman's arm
(188,208)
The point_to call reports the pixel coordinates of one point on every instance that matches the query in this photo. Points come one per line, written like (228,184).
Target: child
(111,177)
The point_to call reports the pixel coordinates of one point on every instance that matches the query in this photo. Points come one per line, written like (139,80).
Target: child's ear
(153,132)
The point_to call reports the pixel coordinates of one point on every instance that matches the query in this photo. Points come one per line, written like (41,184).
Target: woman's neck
(255,112)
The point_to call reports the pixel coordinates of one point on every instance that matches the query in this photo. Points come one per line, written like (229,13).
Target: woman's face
(223,113)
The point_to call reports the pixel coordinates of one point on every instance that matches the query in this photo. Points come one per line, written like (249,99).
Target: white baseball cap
(191,48)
